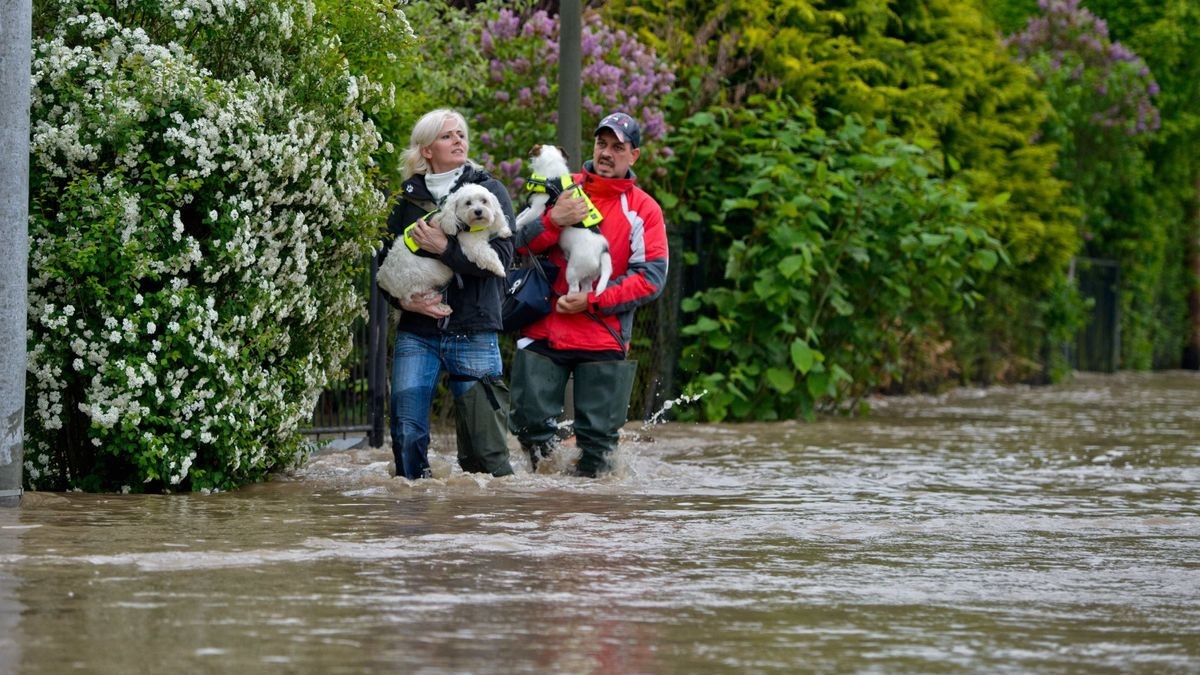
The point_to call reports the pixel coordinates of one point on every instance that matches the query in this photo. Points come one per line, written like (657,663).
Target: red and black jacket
(637,241)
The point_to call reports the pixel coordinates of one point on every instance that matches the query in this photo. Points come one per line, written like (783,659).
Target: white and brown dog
(473,215)
(586,250)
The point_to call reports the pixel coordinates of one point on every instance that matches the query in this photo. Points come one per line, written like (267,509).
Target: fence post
(377,375)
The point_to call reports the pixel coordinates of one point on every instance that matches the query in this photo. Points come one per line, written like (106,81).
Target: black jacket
(474,294)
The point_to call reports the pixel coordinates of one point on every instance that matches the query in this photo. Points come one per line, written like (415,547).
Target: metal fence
(359,404)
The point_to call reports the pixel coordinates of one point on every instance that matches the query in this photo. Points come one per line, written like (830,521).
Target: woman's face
(449,150)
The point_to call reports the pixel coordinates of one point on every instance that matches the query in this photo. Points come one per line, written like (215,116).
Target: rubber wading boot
(481,423)
(602,391)
(538,385)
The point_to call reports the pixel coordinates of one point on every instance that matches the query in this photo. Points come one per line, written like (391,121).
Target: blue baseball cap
(625,127)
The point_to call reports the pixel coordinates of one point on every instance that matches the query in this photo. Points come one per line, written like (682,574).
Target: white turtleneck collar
(439,184)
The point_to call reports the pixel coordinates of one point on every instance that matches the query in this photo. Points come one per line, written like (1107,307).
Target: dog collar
(560,184)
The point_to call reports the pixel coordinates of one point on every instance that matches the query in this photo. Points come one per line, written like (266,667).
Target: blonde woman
(462,342)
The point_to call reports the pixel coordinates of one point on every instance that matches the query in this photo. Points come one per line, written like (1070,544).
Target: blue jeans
(417,364)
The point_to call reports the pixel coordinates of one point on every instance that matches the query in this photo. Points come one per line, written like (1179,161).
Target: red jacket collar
(598,186)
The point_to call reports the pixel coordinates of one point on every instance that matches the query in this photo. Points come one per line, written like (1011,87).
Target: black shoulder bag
(528,295)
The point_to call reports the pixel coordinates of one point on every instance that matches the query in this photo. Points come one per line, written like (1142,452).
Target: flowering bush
(1104,118)
(1096,82)
(195,240)
(518,107)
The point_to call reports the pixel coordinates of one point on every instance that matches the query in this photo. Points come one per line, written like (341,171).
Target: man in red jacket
(587,333)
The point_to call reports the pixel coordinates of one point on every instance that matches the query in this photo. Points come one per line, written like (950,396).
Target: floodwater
(1001,530)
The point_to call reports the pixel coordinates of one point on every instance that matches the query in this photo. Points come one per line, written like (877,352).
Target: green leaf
(719,341)
(985,260)
(802,356)
(818,383)
(703,325)
(759,186)
(738,204)
(841,305)
(791,266)
(781,380)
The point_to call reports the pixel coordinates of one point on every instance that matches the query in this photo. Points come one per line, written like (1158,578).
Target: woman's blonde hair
(424,133)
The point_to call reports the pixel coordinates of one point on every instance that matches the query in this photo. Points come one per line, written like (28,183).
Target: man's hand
(568,210)
(429,237)
(429,304)
(572,303)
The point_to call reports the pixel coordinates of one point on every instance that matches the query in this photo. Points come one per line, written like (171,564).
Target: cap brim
(616,130)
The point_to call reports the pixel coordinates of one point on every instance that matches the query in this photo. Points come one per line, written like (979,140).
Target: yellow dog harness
(412,243)
(560,184)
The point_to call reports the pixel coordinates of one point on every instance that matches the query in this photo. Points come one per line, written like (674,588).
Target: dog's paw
(504,233)
(425,297)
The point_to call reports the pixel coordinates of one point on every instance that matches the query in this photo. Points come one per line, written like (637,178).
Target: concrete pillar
(15,49)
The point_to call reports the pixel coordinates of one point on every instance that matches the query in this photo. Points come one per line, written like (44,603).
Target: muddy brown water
(987,530)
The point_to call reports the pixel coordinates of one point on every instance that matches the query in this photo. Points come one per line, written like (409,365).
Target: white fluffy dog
(586,250)
(473,215)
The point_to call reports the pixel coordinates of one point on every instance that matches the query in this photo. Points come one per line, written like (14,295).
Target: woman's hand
(429,237)
(429,304)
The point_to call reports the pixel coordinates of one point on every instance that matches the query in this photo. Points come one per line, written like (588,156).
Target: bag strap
(593,317)
(532,260)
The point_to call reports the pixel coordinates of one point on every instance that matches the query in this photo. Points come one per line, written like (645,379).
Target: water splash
(657,418)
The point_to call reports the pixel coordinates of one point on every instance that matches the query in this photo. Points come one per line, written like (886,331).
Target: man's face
(610,157)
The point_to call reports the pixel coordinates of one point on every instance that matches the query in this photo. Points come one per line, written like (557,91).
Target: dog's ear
(535,150)
(563,150)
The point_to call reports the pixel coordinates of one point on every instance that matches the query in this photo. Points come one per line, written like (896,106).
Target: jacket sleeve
(539,236)
(646,275)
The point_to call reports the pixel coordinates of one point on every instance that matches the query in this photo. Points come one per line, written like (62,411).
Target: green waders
(480,420)
(602,391)
(538,386)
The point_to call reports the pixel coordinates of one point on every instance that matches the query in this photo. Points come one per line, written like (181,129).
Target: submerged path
(999,530)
